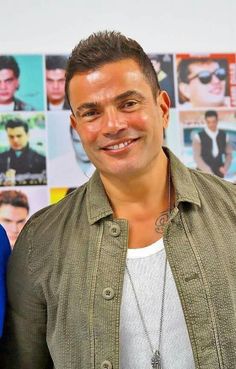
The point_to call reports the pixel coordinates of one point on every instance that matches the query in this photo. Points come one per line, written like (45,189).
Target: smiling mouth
(120,145)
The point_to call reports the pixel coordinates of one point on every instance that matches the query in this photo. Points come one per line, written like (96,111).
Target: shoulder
(21,105)
(34,154)
(222,133)
(52,221)
(66,105)
(46,237)
(4,154)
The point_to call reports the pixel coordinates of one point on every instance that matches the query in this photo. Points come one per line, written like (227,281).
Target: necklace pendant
(156,360)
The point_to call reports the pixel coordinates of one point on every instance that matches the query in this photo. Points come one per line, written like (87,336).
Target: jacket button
(114,230)
(106,365)
(108,293)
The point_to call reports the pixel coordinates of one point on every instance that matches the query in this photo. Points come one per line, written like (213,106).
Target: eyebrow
(125,95)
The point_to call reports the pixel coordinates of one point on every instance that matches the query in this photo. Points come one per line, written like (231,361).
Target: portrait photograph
(22,85)
(163,65)
(22,149)
(209,141)
(55,68)
(68,164)
(17,204)
(206,81)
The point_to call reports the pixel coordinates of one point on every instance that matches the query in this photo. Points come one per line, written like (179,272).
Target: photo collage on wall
(41,155)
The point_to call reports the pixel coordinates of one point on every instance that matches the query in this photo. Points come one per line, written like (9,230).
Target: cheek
(223,85)
(137,120)
(198,88)
(89,132)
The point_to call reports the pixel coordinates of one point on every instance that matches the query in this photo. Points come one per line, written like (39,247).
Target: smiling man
(133,269)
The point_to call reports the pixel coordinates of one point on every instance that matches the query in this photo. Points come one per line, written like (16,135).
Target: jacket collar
(98,205)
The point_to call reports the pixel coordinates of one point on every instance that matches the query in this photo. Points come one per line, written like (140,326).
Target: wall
(163,26)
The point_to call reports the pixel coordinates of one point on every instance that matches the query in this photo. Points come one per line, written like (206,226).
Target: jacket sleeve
(25,329)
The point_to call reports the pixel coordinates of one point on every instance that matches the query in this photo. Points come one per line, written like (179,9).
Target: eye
(129,104)
(90,115)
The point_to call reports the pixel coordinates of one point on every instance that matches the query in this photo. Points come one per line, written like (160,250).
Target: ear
(184,90)
(73,122)
(163,101)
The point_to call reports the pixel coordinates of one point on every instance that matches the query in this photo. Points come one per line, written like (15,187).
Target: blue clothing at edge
(5,251)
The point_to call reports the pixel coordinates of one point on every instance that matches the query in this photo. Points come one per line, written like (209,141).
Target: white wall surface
(55,26)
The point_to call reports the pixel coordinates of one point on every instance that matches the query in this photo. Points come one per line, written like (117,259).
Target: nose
(15,140)
(55,85)
(113,121)
(215,79)
(3,85)
(13,228)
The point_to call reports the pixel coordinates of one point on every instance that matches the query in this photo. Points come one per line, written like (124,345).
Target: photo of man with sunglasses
(202,82)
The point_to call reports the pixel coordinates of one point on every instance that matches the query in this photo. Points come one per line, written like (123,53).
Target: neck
(56,102)
(147,192)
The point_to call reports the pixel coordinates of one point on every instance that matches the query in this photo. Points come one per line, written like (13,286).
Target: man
(212,150)
(87,302)
(20,164)
(202,83)
(9,84)
(14,211)
(55,82)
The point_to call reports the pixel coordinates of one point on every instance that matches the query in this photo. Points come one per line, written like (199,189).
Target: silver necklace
(156,352)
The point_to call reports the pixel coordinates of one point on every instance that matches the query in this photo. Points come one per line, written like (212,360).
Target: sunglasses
(205,76)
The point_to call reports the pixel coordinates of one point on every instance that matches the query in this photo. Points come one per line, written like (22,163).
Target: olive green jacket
(66,273)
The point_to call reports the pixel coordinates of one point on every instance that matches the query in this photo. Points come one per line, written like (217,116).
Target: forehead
(198,67)
(211,119)
(16,131)
(55,73)
(108,81)
(7,73)
(12,212)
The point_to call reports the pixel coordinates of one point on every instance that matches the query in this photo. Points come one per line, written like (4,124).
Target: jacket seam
(92,296)
(207,294)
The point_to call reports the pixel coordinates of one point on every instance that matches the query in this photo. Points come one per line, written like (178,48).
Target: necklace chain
(156,356)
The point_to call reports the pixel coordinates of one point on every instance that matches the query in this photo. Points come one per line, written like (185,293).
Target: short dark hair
(9,62)
(183,66)
(211,113)
(14,198)
(56,62)
(106,47)
(14,123)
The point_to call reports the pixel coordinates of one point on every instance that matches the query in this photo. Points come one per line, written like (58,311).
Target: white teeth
(119,146)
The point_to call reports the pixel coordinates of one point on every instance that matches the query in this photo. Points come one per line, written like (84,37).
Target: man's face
(55,84)
(8,86)
(204,94)
(18,138)
(212,123)
(118,120)
(12,219)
